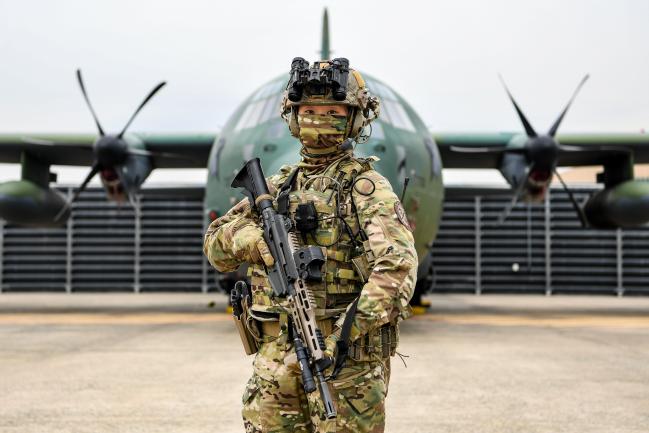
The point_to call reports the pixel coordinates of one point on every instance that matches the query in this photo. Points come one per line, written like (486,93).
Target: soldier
(341,204)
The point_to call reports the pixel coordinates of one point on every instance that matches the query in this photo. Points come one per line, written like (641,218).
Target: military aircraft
(410,155)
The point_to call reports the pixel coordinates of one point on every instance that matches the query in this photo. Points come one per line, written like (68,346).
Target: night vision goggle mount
(317,80)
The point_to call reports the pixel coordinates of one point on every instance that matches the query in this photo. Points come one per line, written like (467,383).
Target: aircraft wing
(497,142)
(55,149)
(582,149)
(179,150)
(166,150)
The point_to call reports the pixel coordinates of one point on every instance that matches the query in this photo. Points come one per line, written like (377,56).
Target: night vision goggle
(317,80)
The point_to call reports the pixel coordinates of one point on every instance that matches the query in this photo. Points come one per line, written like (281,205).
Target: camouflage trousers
(274,400)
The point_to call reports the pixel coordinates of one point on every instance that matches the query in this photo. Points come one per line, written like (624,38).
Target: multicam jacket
(362,229)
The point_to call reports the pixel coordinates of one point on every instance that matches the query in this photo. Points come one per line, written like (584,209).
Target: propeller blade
(146,100)
(40,143)
(510,207)
(139,152)
(131,200)
(594,148)
(91,174)
(85,96)
(517,195)
(571,148)
(37,141)
(555,127)
(526,124)
(475,149)
(144,152)
(128,191)
(578,209)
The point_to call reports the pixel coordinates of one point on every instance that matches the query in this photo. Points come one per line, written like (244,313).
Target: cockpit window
(264,105)
(400,118)
(271,109)
(392,112)
(377,130)
(382,90)
(213,163)
(250,115)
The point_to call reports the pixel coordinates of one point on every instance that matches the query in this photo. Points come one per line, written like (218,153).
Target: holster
(243,321)
(247,339)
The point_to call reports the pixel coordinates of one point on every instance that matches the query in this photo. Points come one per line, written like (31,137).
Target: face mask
(321,131)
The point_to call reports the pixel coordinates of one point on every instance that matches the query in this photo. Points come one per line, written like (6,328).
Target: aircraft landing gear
(419,305)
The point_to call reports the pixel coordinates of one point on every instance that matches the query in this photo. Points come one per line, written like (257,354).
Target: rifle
(294,266)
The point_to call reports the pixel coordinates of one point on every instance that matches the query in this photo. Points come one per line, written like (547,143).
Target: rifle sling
(284,190)
(342,345)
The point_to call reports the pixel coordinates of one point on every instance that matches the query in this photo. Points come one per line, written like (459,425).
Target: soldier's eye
(332,112)
(309,112)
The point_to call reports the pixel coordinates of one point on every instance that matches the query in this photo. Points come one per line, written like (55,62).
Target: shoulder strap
(342,345)
(284,190)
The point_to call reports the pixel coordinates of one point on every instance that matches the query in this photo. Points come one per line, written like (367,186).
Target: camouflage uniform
(350,197)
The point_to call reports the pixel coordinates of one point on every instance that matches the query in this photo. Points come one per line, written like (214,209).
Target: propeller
(110,151)
(579,209)
(92,110)
(93,171)
(541,151)
(516,196)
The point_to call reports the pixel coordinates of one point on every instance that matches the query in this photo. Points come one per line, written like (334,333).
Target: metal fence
(158,247)
(540,248)
(106,247)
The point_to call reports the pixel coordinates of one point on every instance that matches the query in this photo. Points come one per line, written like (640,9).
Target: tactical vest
(334,227)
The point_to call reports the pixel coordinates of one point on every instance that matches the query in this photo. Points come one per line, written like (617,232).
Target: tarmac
(170,363)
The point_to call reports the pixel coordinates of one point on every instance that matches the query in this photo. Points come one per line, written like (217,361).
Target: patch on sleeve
(401,214)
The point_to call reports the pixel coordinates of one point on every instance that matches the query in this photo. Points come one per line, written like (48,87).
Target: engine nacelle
(25,203)
(514,168)
(625,205)
(121,180)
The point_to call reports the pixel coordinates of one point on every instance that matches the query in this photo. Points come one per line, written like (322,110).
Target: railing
(106,247)
(158,247)
(540,248)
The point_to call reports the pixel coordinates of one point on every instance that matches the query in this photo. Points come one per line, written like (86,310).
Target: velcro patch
(401,214)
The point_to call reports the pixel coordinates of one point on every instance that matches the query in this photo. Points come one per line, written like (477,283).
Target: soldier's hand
(330,344)
(250,240)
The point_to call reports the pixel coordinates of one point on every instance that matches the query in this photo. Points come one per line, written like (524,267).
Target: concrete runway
(167,363)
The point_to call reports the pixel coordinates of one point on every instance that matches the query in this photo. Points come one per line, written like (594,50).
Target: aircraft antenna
(324,50)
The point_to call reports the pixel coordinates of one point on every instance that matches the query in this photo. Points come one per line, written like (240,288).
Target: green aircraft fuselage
(528,161)
(399,138)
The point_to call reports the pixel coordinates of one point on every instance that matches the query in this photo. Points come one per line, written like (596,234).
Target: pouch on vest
(381,342)
(364,262)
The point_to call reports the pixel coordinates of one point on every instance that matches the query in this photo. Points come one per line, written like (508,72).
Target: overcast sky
(442,56)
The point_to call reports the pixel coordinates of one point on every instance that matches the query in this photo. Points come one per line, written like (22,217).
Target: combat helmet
(329,82)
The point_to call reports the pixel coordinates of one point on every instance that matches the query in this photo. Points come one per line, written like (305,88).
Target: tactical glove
(249,244)
(330,344)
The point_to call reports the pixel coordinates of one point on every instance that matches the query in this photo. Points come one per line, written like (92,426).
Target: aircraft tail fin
(324,50)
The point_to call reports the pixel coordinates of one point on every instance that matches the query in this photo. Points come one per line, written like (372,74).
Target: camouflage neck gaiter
(321,134)
(315,164)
